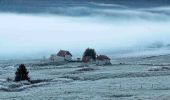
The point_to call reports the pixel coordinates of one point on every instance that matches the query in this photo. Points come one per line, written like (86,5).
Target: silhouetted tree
(90,52)
(21,73)
(52,57)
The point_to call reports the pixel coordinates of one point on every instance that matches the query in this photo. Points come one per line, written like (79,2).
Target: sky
(37,35)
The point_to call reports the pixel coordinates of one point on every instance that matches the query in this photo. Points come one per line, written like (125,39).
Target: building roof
(102,57)
(63,53)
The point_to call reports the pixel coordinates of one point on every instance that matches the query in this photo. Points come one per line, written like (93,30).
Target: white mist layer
(23,35)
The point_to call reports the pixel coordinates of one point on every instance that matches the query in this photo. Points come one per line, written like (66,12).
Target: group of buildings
(64,55)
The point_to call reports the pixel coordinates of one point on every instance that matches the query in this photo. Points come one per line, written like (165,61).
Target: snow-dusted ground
(139,78)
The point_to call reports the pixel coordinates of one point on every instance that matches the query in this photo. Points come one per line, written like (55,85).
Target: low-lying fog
(35,35)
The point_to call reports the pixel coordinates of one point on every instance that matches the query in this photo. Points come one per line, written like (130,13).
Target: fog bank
(26,35)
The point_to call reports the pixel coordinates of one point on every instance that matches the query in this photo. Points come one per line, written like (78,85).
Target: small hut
(103,60)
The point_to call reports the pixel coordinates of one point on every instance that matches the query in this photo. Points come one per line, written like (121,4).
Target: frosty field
(139,78)
(134,34)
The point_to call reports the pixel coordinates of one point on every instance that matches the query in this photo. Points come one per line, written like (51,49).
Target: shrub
(90,53)
(21,74)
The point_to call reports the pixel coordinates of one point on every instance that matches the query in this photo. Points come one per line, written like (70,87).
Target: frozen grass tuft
(159,69)
(10,86)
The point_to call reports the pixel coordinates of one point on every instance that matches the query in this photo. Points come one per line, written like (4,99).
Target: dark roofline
(63,53)
(102,57)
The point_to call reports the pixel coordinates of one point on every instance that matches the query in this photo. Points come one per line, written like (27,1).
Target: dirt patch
(72,77)
(120,95)
(85,69)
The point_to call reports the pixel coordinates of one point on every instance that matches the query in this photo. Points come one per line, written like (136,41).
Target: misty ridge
(135,3)
(81,7)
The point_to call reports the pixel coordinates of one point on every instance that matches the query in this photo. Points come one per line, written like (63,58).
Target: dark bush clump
(90,53)
(21,74)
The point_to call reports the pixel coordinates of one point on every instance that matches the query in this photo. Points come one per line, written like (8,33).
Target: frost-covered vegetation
(125,79)
(21,74)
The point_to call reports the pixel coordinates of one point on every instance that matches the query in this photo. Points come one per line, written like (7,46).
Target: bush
(21,74)
(90,53)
